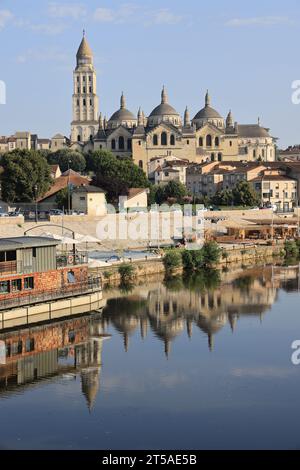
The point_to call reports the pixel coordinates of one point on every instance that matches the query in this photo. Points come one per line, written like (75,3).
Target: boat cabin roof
(17,243)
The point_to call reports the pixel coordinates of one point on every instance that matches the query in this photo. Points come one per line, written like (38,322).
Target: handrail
(68,290)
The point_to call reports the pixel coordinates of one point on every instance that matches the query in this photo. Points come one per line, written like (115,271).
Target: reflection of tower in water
(88,358)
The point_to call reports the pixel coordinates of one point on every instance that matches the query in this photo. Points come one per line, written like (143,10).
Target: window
(129,144)
(230,143)
(71,277)
(141,164)
(29,345)
(90,78)
(200,141)
(212,157)
(78,90)
(90,89)
(155,140)
(16,285)
(72,336)
(29,283)
(78,138)
(82,198)
(11,256)
(219,157)
(140,142)
(254,153)
(84,89)
(91,102)
(113,144)
(77,102)
(77,79)
(4,287)
(91,138)
(187,142)
(17,348)
(172,140)
(121,143)
(84,102)
(217,141)
(84,79)
(163,138)
(208,140)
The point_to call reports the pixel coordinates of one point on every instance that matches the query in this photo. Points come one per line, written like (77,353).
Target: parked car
(56,212)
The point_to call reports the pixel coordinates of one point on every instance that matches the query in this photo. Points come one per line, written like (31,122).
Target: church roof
(84,49)
(123,114)
(207,113)
(252,130)
(164,109)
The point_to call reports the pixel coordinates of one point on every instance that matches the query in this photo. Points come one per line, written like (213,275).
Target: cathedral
(207,137)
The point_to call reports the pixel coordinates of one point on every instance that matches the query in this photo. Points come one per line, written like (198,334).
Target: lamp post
(69,195)
(35,195)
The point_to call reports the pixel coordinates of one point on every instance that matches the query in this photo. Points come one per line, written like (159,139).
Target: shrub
(126,272)
(291,249)
(172,260)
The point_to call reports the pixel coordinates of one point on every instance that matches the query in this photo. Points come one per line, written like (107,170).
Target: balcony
(9,267)
(93,284)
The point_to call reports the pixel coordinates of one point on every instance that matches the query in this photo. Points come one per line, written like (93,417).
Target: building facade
(207,137)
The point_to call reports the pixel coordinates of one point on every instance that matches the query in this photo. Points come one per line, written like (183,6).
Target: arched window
(217,141)
(219,157)
(208,140)
(254,153)
(91,138)
(78,138)
(121,143)
(200,141)
(113,144)
(141,164)
(155,140)
(164,138)
(84,102)
(128,144)
(230,143)
(212,157)
(172,140)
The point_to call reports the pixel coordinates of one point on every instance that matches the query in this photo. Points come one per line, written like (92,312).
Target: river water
(196,363)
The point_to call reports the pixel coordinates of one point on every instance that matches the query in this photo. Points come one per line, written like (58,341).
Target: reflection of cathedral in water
(168,313)
(52,350)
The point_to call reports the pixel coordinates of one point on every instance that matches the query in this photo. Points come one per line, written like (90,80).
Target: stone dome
(122,117)
(84,54)
(164,112)
(208,115)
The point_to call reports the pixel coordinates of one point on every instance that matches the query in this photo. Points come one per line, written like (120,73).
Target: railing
(68,290)
(69,259)
(8,267)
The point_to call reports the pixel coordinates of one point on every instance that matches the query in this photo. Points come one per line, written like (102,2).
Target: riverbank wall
(230,256)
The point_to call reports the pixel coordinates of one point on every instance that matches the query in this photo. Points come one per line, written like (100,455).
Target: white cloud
(74,11)
(104,15)
(127,12)
(165,16)
(259,21)
(132,13)
(5,16)
(46,55)
(55,28)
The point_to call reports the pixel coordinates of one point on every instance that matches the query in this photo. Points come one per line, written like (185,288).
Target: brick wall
(45,281)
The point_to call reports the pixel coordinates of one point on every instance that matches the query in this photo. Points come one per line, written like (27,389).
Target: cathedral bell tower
(85,100)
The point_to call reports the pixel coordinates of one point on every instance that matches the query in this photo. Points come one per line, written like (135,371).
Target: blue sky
(245,53)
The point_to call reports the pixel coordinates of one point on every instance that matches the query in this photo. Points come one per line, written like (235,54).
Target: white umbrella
(88,239)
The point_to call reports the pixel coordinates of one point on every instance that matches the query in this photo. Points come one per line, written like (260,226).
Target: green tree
(223,198)
(245,195)
(115,176)
(62,198)
(211,253)
(172,261)
(66,158)
(176,190)
(25,176)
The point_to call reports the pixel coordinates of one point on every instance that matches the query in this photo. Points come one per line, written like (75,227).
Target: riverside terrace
(32,271)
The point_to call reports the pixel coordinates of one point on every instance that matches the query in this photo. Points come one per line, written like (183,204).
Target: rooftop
(16,243)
